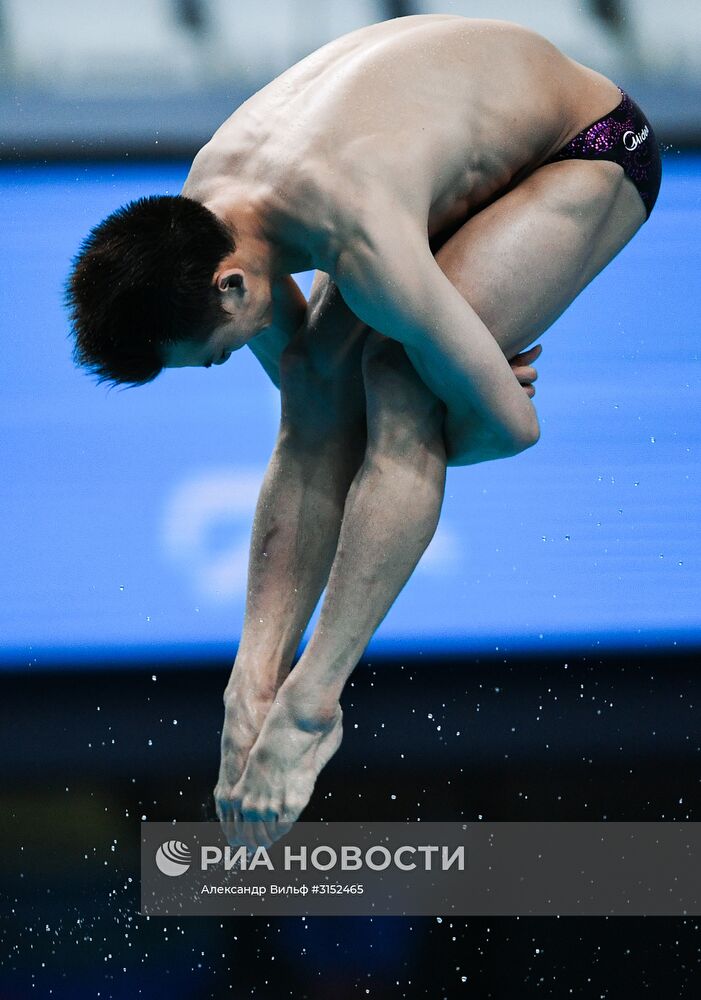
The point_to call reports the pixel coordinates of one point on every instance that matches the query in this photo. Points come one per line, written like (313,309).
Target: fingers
(525,373)
(527,357)
(522,367)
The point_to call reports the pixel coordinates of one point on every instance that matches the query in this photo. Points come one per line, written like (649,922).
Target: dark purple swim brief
(623,136)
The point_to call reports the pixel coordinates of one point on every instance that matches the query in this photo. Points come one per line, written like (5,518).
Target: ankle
(252,683)
(311,710)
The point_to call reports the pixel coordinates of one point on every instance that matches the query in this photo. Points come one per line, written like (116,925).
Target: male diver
(456,183)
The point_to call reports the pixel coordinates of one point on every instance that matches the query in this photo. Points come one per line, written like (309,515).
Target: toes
(261,820)
(251,834)
(255,810)
(278,828)
(260,824)
(223,803)
(255,834)
(227,804)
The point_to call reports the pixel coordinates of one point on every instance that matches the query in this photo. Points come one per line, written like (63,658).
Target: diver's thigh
(522,260)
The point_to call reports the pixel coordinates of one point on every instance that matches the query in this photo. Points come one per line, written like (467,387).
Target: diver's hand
(522,367)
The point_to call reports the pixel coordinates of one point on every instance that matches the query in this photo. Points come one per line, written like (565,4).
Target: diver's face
(215,350)
(246,308)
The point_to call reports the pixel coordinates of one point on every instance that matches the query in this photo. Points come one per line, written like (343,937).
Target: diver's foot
(245,711)
(279,776)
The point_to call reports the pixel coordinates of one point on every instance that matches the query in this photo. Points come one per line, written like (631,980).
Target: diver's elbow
(525,436)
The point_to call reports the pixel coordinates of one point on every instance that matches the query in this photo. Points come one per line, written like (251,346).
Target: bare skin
(395,444)
(361,157)
(405,161)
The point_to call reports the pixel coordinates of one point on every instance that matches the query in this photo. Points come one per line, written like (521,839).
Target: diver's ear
(230,279)
(230,282)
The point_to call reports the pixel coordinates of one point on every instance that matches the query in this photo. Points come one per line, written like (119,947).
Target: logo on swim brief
(173,858)
(631,140)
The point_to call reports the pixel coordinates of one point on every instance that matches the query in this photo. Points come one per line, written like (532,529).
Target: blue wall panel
(125,515)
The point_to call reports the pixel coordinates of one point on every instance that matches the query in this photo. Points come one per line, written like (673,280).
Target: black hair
(143,279)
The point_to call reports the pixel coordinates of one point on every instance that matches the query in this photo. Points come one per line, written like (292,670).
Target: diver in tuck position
(456,183)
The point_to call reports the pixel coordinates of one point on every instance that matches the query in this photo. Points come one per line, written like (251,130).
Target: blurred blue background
(125,514)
